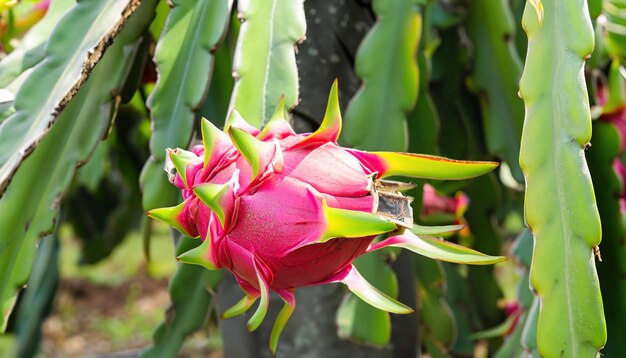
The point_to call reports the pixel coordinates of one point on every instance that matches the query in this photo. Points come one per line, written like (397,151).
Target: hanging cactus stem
(282,210)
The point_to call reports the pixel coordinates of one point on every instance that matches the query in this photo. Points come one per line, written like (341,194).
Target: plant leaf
(282,318)
(184,58)
(435,314)
(93,24)
(435,230)
(342,223)
(614,28)
(38,300)
(265,62)
(376,116)
(560,207)
(257,318)
(191,302)
(522,250)
(489,24)
(529,334)
(31,200)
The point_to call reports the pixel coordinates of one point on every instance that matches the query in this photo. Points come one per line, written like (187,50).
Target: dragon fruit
(282,210)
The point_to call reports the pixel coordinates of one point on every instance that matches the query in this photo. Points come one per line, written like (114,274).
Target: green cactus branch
(390,83)
(560,204)
(50,87)
(490,26)
(436,318)
(264,66)
(30,203)
(185,57)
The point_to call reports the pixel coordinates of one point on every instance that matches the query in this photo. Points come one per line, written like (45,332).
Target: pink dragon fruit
(282,210)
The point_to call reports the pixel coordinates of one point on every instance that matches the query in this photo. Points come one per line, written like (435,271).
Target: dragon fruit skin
(282,210)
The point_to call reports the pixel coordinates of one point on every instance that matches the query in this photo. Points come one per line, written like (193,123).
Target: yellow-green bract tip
(240,307)
(437,249)
(354,224)
(250,147)
(370,294)
(170,216)
(281,112)
(261,311)
(281,321)
(279,123)
(330,128)
(431,167)
(211,195)
(199,255)
(210,133)
(235,119)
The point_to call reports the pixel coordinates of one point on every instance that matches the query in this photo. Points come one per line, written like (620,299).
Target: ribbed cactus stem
(560,205)
(264,65)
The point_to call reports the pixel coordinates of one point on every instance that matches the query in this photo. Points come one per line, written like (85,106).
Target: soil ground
(112,308)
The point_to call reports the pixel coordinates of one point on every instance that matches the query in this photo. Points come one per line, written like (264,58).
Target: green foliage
(184,57)
(487,238)
(437,321)
(489,25)
(105,204)
(37,301)
(53,83)
(390,83)
(31,201)
(515,343)
(355,318)
(264,64)
(560,204)
(191,301)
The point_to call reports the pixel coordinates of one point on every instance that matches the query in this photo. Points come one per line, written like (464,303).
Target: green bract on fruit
(282,210)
